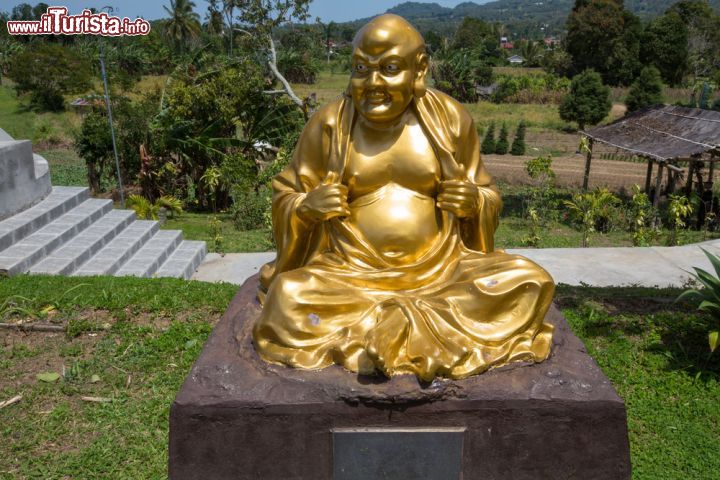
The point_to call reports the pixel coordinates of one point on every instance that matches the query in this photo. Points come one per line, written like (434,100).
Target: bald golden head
(389,68)
(388,31)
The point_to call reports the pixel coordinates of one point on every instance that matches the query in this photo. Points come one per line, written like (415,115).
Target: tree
(647,90)
(475,34)
(300,53)
(518,145)
(22,11)
(214,19)
(557,61)
(665,45)
(184,23)
(8,49)
(588,101)
(488,143)
(48,71)
(501,146)
(39,10)
(703,37)
(459,74)
(602,35)
(264,17)
(531,51)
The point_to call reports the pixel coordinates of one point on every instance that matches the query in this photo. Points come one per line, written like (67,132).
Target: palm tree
(532,52)
(184,23)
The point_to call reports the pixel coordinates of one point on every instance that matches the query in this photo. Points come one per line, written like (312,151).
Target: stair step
(60,201)
(67,258)
(19,257)
(184,260)
(119,250)
(153,254)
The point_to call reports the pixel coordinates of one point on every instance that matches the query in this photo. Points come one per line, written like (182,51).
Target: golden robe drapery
(331,297)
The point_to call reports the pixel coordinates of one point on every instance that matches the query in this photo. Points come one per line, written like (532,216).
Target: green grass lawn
(511,233)
(133,342)
(197,226)
(17,119)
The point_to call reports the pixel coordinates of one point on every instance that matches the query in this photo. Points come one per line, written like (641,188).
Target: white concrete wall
(24,177)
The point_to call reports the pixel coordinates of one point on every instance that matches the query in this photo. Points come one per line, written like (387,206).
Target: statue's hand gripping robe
(340,292)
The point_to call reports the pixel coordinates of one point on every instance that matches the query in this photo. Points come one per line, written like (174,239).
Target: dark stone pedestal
(237,417)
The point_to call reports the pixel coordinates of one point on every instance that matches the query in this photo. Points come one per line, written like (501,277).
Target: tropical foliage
(707,299)
(589,209)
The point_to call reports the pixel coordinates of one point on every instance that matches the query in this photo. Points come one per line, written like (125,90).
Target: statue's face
(385,68)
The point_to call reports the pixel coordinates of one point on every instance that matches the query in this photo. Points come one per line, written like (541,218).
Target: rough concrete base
(237,417)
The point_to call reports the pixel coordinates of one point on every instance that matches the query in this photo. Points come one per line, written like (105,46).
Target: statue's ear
(422,65)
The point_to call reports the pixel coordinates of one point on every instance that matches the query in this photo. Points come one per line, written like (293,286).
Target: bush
(488,143)
(707,299)
(641,216)
(501,147)
(518,145)
(588,101)
(647,90)
(589,209)
(250,208)
(459,74)
(716,105)
(542,89)
(48,71)
(93,144)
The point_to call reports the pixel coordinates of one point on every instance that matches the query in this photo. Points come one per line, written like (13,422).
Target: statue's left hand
(459,197)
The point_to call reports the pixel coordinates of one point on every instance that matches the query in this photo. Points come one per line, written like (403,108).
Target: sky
(327,10)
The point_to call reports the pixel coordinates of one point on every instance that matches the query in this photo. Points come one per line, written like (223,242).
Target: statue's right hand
(326,201)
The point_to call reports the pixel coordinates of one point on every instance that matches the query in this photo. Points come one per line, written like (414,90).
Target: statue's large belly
(399,223)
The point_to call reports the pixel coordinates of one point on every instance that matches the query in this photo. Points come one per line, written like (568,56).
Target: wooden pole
(670,178)
(588,160)
(711,174)
(658,183)
(689,180)
(648,176)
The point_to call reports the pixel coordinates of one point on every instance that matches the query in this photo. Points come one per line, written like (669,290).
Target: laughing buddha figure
(384,222)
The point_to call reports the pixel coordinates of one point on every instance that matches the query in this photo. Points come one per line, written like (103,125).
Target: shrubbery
(588,101)
(546,88)
(48,71)
(646,91)
(459,73)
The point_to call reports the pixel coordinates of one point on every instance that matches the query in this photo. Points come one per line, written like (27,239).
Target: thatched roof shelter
(664,135)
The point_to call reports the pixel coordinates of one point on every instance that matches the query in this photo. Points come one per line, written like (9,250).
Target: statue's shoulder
(455,111)
(326,115)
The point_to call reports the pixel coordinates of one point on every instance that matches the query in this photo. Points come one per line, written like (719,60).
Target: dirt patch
(615,175)
(162,320)
(25,354)
(622,305)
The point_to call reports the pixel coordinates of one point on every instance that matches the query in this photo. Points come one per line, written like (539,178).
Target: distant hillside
(523,18)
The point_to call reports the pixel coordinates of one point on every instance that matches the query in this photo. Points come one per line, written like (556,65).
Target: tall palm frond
(184,23)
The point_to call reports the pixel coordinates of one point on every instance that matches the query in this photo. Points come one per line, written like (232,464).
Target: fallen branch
(33,327)
(96,399)
(44,327)
(12,401)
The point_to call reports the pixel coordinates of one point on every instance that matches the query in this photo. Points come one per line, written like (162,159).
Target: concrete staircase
(69,233)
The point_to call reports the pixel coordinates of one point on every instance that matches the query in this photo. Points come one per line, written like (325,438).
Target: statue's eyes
(391,68)
(361,68)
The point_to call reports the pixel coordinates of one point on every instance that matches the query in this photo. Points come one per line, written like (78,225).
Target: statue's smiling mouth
(377,98)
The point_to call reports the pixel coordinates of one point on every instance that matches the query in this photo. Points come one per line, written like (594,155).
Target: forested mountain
(523,18)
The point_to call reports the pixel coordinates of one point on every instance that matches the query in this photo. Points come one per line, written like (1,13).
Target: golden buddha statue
(384,222)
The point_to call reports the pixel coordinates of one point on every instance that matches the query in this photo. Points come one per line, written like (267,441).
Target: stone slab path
(600,267)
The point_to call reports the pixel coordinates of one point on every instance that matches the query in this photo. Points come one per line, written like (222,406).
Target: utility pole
(110,119)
